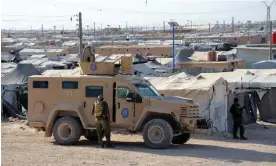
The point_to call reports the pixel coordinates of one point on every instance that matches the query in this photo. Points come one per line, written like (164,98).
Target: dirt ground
(24,146)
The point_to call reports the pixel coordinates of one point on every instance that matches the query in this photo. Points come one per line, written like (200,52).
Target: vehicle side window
(40,84)
(93,91)
(70,85)
(122,92)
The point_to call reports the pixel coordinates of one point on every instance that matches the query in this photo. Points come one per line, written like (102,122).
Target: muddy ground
(24,146)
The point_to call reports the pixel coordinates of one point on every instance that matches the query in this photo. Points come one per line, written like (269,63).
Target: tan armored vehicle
(61,105)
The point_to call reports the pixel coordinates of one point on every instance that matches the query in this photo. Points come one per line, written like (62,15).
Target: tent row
(214,92)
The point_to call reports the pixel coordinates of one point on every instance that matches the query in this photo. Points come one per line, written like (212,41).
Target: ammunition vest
(98,109)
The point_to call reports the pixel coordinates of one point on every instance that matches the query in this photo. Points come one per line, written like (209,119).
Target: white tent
(244,82)
(247,78)
(210,93)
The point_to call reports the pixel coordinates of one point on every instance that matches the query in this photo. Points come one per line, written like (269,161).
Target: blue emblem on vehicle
(93,67)
(125,113)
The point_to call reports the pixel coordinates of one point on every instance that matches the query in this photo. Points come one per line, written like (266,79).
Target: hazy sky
(24,14)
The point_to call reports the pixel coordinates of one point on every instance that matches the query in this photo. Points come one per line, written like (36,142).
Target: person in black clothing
(236,112)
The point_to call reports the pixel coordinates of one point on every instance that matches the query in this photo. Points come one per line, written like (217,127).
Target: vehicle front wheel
(181,139)
(157,134)
(67,131)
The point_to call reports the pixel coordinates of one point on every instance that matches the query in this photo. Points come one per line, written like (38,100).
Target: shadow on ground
(256,134)
(191,150)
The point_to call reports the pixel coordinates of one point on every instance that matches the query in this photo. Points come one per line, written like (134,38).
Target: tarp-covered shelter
(143,69)
(14,90)
(19,75)
(182,54)
(6,57)
(157,66)
(7,67)
(268,64)
(209,93)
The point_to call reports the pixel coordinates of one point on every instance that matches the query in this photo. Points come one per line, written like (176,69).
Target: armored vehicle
(61,105)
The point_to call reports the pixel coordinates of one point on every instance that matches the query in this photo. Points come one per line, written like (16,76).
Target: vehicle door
(91,90)
(124,109)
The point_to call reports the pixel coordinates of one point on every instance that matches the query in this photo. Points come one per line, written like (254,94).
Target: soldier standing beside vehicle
(236,112)
(102,118)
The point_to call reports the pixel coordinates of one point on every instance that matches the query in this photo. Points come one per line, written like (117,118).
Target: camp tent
(19,75)
(255,88)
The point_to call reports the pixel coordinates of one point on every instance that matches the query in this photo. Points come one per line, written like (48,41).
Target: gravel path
(24,146)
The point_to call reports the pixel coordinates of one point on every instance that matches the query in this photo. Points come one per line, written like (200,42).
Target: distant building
(155,50)
(253,54)
(27,52)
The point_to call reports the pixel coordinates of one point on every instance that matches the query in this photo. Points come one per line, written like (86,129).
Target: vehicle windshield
(146,90)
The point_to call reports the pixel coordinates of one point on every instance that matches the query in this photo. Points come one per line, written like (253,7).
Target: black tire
(158,126)
(181,139)
(91,136)
(69,125)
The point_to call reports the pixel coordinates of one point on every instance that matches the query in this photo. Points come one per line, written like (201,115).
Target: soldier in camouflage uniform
(101,112)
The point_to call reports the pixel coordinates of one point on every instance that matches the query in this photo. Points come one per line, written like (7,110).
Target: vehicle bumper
(188,124)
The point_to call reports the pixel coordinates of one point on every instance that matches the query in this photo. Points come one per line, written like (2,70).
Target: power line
(29,20)
(122,10)
(35,15)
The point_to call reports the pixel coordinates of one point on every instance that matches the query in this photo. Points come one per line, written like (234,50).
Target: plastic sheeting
(181,55)
(6,56)
(7,67)
(20,74)
(269,64)
(143,68)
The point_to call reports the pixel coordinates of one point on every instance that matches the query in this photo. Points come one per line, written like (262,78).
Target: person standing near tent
(236,112)
(101,112)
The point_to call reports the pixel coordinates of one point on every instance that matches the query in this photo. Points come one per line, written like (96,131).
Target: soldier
(236,112)
(102,118)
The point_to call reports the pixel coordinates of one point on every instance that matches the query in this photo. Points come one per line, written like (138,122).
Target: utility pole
(270,40)
(217,26)
(94,29)
(126,27)
(55,31)
(42,33)
(268,7)
(209,28)
(233,25)
(223,26)
(80,38)
(108,29)
(87,26)
(248,31)
(164,26)
(132,30)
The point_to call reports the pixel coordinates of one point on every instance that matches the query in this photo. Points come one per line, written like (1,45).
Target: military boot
(109,144)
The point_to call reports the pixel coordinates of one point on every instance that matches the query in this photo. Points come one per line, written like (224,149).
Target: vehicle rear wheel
(91,135)
(181,139)
(67,131)
(157,134)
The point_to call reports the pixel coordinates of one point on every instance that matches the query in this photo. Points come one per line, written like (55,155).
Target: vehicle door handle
(118,105)
(84,104)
